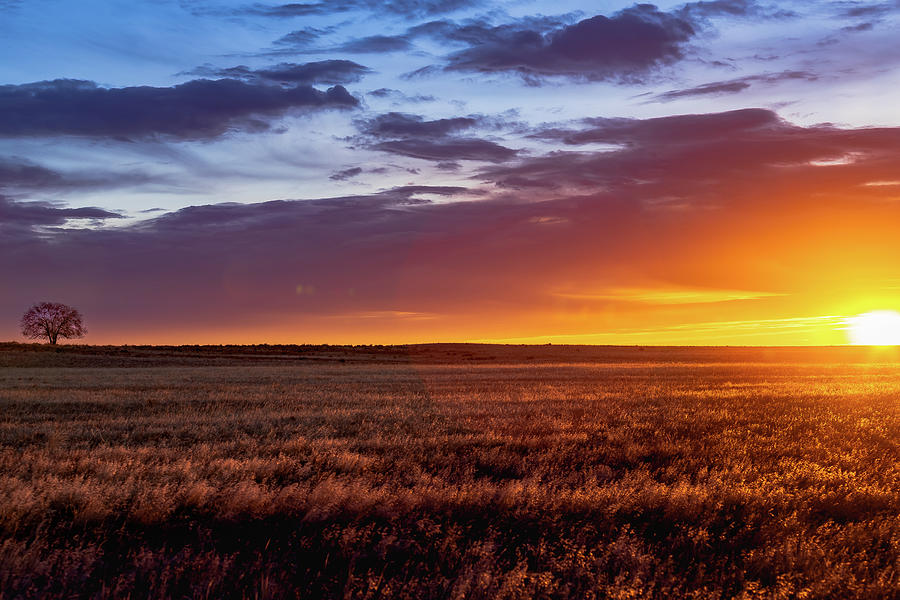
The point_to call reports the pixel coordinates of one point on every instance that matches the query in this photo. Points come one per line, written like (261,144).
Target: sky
(722,172)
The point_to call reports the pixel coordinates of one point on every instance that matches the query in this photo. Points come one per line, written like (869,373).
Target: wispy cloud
(734,86)
(751,331)
(667,295)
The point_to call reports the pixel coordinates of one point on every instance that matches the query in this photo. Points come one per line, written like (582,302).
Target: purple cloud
(345,174)
(18,214)
(413,136)
(734,86)
(311,73)
(198,109)
(448,150)
(626,46)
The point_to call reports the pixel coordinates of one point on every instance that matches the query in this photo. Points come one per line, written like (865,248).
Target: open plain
(449,471)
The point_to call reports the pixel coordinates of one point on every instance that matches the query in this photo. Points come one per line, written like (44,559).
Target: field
(449,472)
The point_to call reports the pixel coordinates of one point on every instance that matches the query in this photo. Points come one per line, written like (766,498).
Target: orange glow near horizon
(638,328)
(689,278)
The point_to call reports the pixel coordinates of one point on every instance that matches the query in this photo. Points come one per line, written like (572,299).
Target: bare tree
(52,320)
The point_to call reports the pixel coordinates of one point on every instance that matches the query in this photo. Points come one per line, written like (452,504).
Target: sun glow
(875,328)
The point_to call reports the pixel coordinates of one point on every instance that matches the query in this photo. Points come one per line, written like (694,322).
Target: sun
(875,328)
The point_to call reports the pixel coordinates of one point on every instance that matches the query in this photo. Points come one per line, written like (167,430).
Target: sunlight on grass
(706,474)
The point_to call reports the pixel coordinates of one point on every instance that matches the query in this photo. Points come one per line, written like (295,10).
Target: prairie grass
(468,472)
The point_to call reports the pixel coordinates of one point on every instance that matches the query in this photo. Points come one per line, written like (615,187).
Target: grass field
(449,472)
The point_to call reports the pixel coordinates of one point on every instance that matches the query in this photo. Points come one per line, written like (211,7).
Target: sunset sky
(353,171)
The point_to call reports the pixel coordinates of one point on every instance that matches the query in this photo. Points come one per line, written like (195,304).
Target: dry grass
(699,474)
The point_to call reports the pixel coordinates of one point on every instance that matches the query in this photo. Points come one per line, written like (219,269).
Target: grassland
(448,472)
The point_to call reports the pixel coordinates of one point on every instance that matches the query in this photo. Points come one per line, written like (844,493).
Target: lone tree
(52,320)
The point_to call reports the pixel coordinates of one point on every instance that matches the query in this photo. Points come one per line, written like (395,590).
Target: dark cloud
(707,89)
(400,96)
(734,86)
(868,26)
(345,174)
(436,139)
(449,149)
(402,124)
(628,45)
(304,37)
(197,109)
(17,173)
(319,72)
(711,157)
(406,8)
(385,93)
(296,9)
(14,214)
(665,131)
(375,44)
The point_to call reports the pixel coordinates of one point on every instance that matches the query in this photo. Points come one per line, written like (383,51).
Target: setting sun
(875,328)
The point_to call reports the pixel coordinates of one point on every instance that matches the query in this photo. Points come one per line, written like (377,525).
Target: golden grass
(627,479)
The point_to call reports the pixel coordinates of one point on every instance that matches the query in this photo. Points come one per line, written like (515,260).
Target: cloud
(666,131)
(626,46)
(198,109)
(397,124)
(706,159)
(407,8)
(319,72)
(21,175)
(304,37)
(735,8)
(477,31)
(662,296)
(868,26)
(345,174)
(854,10)
(386,93)
(400,96)
(413,136)
(448,150)
(15,172)
(15,214)
(472,31)
(372,44)
(375,44)
(715,88)
(629,45)
(869,15)
(271,248)
(734,86)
